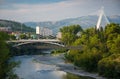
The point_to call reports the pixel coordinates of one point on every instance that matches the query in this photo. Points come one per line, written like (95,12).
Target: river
(44,67)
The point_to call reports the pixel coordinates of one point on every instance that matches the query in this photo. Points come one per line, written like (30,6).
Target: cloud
(39,11)
(2,2)
(31,1)
(52,11)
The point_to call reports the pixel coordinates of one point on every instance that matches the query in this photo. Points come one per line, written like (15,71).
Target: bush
(59,51)
(110,66)
(89,60)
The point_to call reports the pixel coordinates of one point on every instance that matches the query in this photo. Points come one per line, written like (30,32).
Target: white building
(59,35)
(43,31)
(37,30)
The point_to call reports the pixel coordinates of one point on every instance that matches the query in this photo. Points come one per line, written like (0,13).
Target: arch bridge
(42,43)
(24,42)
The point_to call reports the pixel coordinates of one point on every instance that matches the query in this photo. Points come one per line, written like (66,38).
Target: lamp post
(21,27)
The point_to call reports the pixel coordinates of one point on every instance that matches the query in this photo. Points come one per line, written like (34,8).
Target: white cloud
(1,1)
(39,11)
(51,11)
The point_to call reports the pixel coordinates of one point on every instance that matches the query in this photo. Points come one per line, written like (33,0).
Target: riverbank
(67,67)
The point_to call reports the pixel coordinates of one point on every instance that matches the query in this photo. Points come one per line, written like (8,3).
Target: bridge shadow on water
(36,48)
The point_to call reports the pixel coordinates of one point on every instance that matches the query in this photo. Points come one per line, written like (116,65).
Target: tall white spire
(100,17)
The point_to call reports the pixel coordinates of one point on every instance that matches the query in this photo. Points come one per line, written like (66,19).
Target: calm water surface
(30,69)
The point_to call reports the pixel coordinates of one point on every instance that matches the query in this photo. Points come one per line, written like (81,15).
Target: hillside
(84,22)
(16,26)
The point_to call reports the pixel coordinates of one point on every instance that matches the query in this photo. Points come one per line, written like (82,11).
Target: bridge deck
(39,40)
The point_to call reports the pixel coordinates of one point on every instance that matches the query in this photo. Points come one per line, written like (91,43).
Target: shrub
(89,60)
(110,66)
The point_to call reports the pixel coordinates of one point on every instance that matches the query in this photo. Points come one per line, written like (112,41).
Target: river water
(30,68)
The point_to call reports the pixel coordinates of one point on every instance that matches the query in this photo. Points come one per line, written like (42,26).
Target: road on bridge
(39,40)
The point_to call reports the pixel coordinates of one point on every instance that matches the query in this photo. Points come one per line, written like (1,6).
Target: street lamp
(21,27)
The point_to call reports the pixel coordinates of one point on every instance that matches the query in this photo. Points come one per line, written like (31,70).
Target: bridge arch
(52,43)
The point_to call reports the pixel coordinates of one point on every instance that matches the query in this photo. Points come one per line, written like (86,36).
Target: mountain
(16,26)
(84,22)
(115,19)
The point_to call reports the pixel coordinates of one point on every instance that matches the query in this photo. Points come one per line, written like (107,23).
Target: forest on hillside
(16,26)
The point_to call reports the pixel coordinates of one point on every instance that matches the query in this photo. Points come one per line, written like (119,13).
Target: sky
(54,10)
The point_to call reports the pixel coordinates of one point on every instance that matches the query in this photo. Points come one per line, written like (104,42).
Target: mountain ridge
(16,26)
(84,22)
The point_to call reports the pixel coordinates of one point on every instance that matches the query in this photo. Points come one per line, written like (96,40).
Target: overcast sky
(54,10)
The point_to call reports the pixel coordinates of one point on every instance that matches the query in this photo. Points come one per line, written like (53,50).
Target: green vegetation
(58,51)
(71,76)
(100,50)
(23,36)
(69,33)
(5,66)
(110,66)
(12,37)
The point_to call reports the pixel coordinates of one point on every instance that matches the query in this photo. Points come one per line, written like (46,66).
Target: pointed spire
(100,18)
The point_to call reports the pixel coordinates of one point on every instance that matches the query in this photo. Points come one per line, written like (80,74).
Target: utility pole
(21,27)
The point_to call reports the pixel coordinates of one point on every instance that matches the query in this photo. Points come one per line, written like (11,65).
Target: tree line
(6,66)
(100,50)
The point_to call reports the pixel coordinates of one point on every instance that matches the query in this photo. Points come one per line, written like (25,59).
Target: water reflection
(30,69)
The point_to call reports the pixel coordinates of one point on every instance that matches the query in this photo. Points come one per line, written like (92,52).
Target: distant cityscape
(6,29)
(41,33)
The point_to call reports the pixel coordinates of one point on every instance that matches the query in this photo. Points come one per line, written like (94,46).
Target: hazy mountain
(15,26)
(115,19)
(84,22)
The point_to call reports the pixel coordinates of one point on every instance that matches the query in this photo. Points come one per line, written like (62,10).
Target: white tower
(37,30)
(100,18)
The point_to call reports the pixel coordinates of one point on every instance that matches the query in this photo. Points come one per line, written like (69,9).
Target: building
(43,31)
(37,30)
(6,29)
(46,32)
(59,35)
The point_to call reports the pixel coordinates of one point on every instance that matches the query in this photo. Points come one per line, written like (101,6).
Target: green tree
(69,33)
(5,65)
(110,66)
(111,29)
(99,52)
(114,45)
(12,37)
(23,36)
(4,56)
(4,36)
